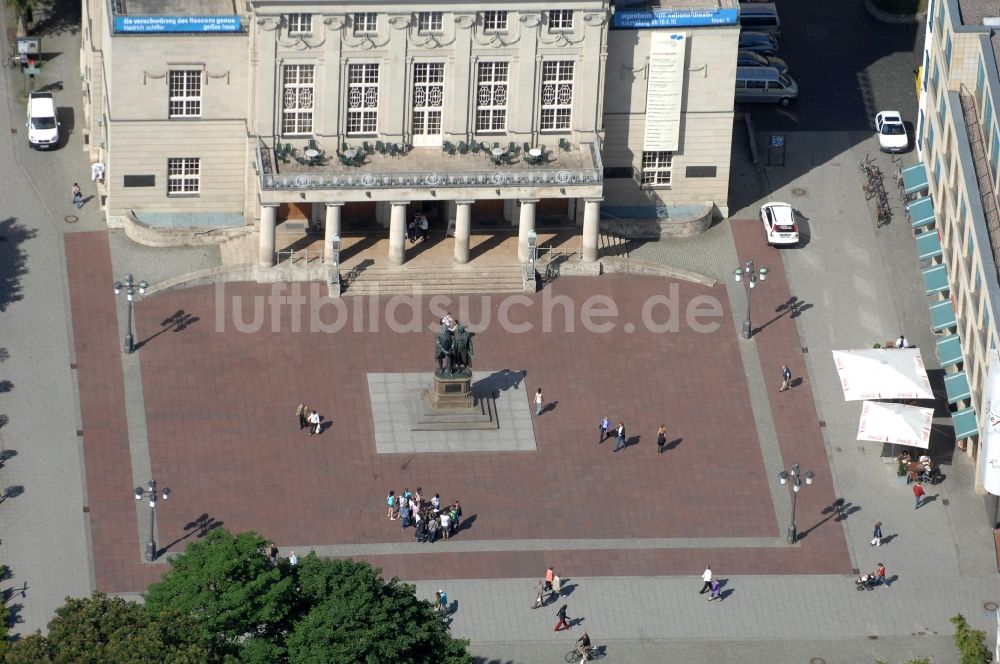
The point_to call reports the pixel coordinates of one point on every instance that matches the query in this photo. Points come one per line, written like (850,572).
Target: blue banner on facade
(674,18)
(177,23)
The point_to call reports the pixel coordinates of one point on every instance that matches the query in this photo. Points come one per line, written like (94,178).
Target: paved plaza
(206,406)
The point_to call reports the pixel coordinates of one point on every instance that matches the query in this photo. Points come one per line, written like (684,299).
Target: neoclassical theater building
(346,115)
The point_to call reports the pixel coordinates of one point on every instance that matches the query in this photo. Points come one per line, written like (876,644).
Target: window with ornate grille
(491,96)
(183,176)
(560,20)
(656,168)
(495,21)
(430,22)
(365,23)
(300,24)
(298,99)
(428,97)
(362,98)
(185,93)
(557,95)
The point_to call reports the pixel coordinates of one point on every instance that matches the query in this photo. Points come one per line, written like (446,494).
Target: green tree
(971,643)
(352,615)
(111,630)
(229,587)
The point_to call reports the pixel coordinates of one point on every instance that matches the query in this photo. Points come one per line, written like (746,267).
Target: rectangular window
(920,130)
(941,110)
(930,18)
(429,22)
(428,97)
(362,98)
(183,176)
(927,70)
(185,93)
(491,96)
(365,23)
(980,79)
(656,168)
(930,137)
(560,20)
(934,79)
(988,118)
(494,21)
(947,53)
(557,95)
(300,24)
(297,99)
(994,153)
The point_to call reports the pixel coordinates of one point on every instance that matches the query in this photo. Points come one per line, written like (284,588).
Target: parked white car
(891,132)
(779,223)
(43,127)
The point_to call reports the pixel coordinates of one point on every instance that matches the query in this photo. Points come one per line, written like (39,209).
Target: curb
(895,19)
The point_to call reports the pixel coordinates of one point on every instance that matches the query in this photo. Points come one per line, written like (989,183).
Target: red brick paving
(220,414)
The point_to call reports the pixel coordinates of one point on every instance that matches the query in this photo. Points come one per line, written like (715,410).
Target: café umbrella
(896,423)
(882,373)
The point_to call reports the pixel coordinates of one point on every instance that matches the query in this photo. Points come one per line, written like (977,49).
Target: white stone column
(265,248)
(591,228)
(526,224)
(463,231)
(397,233)
(331,227)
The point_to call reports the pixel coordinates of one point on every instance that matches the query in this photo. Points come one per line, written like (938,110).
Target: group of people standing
(430,520)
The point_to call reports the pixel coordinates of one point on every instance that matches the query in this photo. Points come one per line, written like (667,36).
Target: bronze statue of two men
(453,349)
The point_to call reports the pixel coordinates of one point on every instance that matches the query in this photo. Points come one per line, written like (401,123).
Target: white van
(43,127)
(760,17)
(764,84)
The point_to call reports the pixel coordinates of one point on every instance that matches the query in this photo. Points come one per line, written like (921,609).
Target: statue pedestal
(450,393)
(450,405)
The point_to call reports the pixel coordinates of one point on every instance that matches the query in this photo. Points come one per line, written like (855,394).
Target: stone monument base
(449,405)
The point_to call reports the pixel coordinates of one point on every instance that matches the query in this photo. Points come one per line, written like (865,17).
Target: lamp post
(794,475)
(129,288)
(751,275)
(150,493)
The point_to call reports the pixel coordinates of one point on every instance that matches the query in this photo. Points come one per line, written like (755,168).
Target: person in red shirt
(880,574)
(918,493)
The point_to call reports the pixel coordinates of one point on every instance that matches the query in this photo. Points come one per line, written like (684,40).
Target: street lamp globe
(166,493)
(763,273)
(783,478)
(737,273)
(139,493)
(118,288)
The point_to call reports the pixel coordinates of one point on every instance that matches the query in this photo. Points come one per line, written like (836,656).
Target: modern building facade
(954,204)
(336,113)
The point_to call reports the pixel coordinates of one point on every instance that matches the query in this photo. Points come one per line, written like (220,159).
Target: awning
(949,350)
(957,386)
(896,423)
(935,278)
(942,315)
(964,422)
(882,373)
(928,245)
(921,212)
(914,178)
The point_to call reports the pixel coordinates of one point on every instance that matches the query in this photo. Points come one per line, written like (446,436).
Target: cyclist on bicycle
(583,647)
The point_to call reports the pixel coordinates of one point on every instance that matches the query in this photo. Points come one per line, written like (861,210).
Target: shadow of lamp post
(793,474)
(751,276)
(150,493)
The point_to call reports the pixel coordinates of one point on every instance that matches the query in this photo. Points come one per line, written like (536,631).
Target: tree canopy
(111,630)
(319,611)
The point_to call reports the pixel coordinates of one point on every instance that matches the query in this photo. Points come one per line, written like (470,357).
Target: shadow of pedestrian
(929,499)
(567,589)
(6,455)
(575,622)
(634,440)
(466,523)
(725,594)
(889,580)
(672,444)
(6,386)
(549,406)
(12,492)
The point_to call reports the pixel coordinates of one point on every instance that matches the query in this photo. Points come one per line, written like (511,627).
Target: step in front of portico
(440,280)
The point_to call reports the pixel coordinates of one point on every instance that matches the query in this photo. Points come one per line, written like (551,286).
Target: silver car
(751,59)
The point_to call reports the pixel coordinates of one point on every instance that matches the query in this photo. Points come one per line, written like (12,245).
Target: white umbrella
(882,373)
(895,423)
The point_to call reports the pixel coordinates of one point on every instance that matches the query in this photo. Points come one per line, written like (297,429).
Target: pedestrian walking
(314,421)
(424,227)
(661,438)
(620,437)
(563,619)
(877,535)
(445,524)
(604,427)
(556,585)
(301,413)
(390,500)
(880,575)
(716,590)
(538,402)
(706,576)
(550,574)
(272,553)
(456,514)
(918,493)
(404,515)
(293,559)
(539,592)
(442,597)
(77,196)
(786,378)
